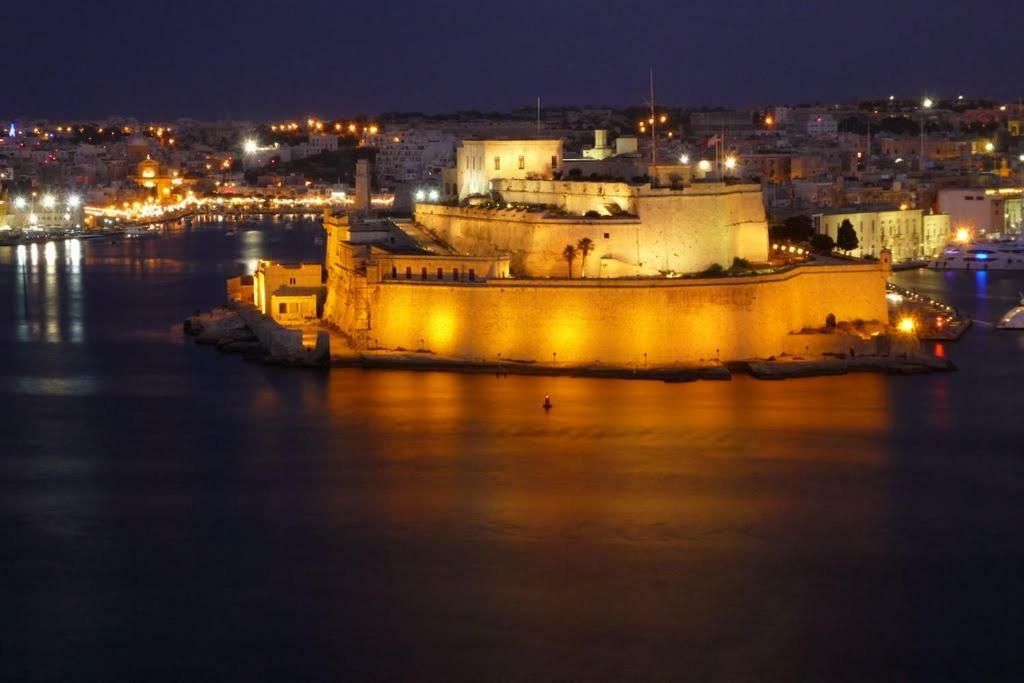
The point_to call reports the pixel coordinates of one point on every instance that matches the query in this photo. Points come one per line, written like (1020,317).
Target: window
(394,272)
(440,273)
(472,275)
(522,162)
(291,281)
(455,274)
(282,308)
(497,163)
(554,162)
(423,273)
(408,273)
(607,235)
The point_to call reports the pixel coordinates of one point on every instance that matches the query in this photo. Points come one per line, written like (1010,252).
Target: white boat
(997,255)
(1014,318)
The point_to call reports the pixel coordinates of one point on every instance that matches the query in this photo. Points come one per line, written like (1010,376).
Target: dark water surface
(171,513)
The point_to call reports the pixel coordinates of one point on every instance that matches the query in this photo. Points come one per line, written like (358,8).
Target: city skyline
(212,62)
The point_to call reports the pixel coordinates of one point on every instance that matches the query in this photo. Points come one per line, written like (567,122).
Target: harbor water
(171,513)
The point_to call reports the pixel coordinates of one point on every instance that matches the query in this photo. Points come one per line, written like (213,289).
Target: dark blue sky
(210,59)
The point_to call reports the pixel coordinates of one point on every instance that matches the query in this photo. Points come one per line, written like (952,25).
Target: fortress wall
(573,196)
(676,231)
(616,322)
(535,243)
(689,232)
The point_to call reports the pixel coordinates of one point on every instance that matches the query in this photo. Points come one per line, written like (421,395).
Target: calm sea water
(171,513)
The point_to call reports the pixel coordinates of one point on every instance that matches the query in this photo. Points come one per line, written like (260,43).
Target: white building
(908,233)
(319,144)
(42,211)
(414,154)
(478,162)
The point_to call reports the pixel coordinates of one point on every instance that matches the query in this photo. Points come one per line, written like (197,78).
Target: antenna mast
(654,122)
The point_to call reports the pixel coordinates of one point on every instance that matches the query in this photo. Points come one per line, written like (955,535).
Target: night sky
(216,60)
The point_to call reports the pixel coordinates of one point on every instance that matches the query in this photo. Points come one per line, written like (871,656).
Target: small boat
(1014,318)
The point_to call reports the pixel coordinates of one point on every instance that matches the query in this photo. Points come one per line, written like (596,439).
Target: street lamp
(250,146)
(74,201)
(685,158)
(20,203)
(49,202)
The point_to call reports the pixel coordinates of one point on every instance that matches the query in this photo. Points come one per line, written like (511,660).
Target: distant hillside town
(906,173)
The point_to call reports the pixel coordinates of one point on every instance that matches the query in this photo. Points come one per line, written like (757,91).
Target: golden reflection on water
(619,461)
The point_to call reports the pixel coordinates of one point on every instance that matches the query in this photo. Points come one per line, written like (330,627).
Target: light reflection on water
(638,530)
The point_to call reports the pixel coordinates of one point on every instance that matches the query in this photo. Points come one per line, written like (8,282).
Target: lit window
(497,163)
(522,162)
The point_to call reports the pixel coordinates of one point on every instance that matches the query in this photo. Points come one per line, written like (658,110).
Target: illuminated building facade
(907,233)
(288,292)
(478,162)
(983,211)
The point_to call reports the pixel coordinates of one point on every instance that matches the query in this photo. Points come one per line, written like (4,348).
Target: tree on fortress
(584,246)
(846,237)
(569,254)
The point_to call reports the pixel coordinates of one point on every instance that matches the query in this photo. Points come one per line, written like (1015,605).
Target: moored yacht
(996,255)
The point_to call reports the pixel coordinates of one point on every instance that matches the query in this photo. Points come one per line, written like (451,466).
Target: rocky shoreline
(243,330)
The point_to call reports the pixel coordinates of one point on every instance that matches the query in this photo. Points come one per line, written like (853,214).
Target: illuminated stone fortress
(514,262)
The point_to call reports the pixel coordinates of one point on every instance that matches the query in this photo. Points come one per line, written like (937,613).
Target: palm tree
(569,254)
(585,246)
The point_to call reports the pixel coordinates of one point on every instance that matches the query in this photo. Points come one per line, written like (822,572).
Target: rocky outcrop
(243,329)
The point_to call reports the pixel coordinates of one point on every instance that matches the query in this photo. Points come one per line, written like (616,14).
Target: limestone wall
(574,196)
(614,322)
(681,231)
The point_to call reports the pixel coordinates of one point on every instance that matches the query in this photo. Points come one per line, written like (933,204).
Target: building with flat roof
(478,162)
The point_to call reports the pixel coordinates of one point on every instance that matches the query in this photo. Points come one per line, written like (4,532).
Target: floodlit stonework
(635,229)
(395,301)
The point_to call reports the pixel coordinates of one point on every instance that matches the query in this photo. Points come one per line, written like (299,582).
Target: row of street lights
(48,202)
